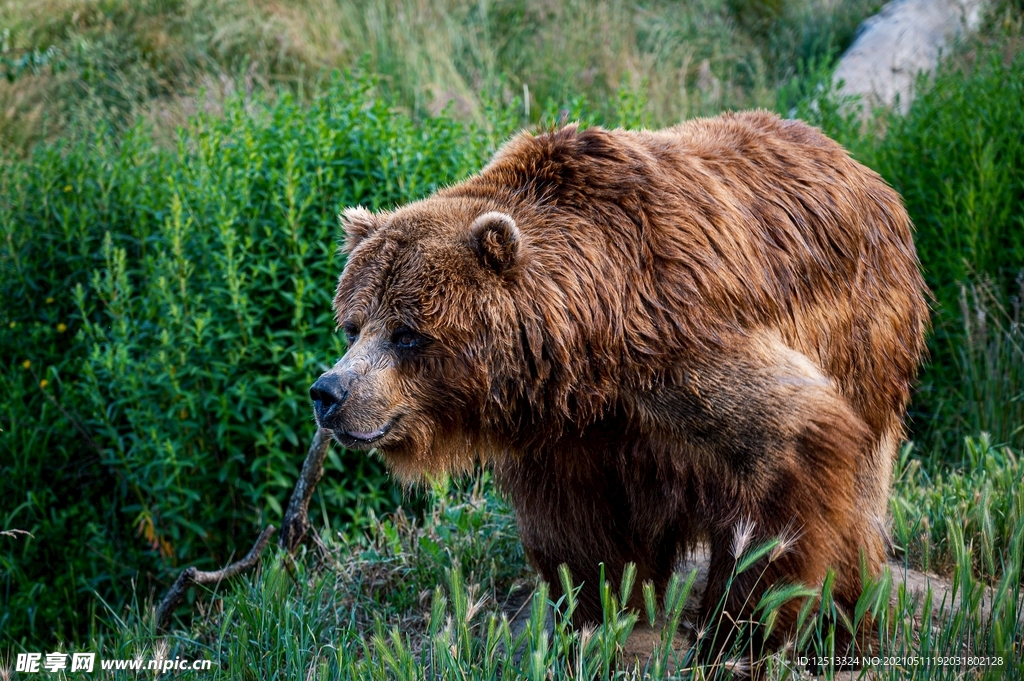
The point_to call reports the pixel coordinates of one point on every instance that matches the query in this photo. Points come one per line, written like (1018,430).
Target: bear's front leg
(575,506)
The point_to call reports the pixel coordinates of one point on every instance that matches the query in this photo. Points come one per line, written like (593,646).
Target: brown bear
(655,338)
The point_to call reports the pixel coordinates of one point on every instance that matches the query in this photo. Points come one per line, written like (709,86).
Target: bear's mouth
(356,439)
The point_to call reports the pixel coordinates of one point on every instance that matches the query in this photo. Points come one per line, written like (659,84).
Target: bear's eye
(351,332)
(404,337)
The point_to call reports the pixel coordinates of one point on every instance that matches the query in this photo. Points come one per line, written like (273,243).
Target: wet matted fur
(654,338)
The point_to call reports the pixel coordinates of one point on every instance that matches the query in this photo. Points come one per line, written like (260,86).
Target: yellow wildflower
(67,187)
(43,383)
(62,327)
(49,301)
(27,363)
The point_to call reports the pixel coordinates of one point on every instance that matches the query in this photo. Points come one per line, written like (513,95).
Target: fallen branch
(192,576)
(296,518)
(294,527)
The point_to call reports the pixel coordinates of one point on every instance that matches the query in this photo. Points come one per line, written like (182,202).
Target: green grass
(983,498)
(414,599)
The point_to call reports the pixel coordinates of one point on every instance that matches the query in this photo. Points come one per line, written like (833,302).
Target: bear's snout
(353,408)
(328,394)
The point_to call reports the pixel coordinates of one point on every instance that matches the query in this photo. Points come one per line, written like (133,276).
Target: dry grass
(122,59)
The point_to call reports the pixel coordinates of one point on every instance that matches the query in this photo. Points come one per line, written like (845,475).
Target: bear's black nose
(328,395)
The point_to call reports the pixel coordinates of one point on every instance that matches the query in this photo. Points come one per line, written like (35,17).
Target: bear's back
(821,242)
(722,226)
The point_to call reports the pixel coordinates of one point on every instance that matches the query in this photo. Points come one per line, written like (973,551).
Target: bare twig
(296,518)
(192,576)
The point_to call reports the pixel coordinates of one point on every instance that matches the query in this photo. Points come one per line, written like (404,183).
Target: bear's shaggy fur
(655,338)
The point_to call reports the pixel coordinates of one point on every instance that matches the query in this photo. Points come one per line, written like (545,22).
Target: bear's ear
(357,223)
(495,238)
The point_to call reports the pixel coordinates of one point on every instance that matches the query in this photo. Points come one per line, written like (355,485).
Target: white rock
(903,39)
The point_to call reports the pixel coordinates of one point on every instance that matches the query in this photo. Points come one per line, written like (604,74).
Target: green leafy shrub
(958,160)
(164,314)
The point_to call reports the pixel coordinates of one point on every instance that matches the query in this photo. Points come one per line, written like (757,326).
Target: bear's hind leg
(787,458)
(809,504)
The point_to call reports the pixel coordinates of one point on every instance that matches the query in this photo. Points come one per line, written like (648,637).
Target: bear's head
(426,305)
(494,316)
